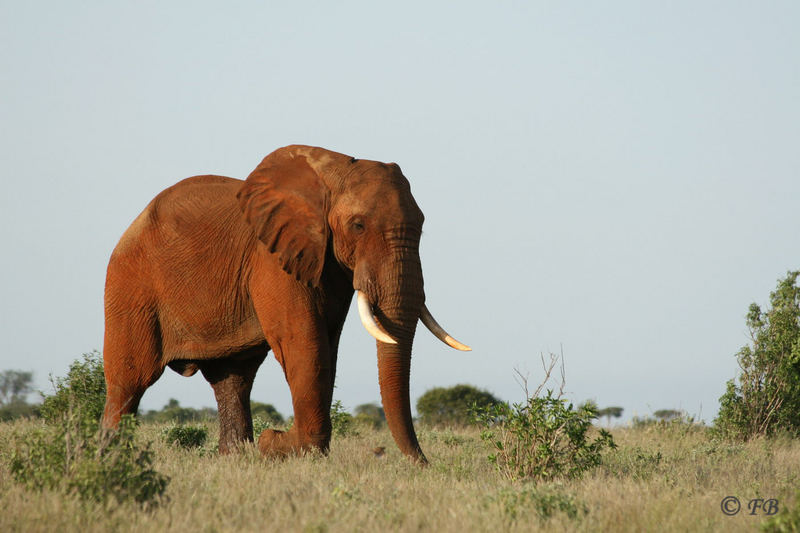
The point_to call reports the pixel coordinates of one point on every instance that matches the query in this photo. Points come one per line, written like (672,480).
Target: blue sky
(620,179)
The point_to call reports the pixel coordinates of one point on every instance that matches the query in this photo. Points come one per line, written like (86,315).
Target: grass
(665,478)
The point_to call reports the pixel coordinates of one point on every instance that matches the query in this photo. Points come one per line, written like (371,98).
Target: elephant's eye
(357,225)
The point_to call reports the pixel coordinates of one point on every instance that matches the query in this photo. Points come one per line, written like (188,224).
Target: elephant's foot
(274,443)
(230,442)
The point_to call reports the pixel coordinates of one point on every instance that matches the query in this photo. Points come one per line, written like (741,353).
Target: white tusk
(365,312)
(437,330)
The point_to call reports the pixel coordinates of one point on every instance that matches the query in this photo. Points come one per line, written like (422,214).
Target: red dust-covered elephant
(215,272)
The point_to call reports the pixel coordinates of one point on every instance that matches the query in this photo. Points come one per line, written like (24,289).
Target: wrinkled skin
(216,271)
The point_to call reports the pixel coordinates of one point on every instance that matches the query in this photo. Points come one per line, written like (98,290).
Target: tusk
(437,330)
(365,312)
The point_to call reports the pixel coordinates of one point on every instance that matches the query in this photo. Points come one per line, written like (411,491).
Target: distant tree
(173,412)
(15,385)
(267,412)
(610,412)
(370,414)
(16,410)
(766,396)
(371,409)
(452,405)
(665,415)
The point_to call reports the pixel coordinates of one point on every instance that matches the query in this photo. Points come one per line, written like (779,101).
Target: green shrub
(185,436)
(84,390)
(341,420)
(544,438)
(452,406)
(767,396)
(73,457)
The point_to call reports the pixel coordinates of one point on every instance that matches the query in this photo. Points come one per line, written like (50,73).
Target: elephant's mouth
(370,323)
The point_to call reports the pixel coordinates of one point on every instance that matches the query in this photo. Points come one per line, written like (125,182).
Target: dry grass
(669,479)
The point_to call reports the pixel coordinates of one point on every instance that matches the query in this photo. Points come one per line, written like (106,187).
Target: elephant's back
(195,200)
(196,220)
(183,211)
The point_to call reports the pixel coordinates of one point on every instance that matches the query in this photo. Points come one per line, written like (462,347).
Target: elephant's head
(302,200)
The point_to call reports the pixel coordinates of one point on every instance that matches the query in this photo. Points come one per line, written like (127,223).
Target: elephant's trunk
(394,367)
(400,299)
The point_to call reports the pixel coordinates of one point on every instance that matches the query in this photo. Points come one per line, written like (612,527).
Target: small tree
(453,405)
(767,396)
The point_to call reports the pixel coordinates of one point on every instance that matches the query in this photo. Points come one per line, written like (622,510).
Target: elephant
(216,272)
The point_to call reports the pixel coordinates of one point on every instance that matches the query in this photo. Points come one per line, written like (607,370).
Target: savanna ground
(660,478)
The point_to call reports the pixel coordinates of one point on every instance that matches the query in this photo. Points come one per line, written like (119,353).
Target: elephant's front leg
(310,370)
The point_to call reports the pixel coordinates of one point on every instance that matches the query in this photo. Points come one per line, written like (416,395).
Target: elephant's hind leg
(131,361)
(232,380)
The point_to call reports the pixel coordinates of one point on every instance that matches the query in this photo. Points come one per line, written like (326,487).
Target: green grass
(660,478)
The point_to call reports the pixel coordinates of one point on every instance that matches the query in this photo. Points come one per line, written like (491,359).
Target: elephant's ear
(286,204)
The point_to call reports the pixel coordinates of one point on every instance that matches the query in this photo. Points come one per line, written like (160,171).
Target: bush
(452,406)
(84,390)
(72,456)
(767,396)
(185,436)
(341,420)
(545,437)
